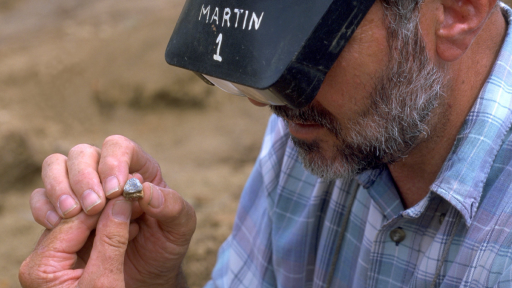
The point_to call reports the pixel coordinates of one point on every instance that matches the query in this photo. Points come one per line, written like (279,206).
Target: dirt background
(74,71)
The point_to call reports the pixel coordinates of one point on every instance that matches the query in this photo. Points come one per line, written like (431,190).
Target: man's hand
(147,252)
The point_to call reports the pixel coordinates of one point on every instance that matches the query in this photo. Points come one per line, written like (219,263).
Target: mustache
(314,113)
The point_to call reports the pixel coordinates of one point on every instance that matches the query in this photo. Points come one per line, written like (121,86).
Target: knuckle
(52,175)
(118,143)
(82,176)
(115,241)
(51,159)
(178,206)
(80,149)
(32,274)
(23,273)
(36,203)
(193,216)
(111,162)
(36,194)
(27,275)
(117,139)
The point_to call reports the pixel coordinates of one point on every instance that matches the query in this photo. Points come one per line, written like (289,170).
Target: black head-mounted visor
(273,51)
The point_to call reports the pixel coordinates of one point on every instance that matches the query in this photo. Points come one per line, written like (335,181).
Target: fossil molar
(133,189)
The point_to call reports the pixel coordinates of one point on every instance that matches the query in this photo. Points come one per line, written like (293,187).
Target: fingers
(58,190)
(70,235)
(72,183)
(85,252)
(54,261)
(43,210)
(82,166)
(120,157)
(51,262)
(85,178)
(176,217)
(105,264)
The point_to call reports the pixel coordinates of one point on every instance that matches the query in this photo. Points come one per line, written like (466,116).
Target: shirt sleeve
(245,258)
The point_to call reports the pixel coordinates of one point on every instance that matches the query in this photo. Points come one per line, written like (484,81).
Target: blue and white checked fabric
(288,222)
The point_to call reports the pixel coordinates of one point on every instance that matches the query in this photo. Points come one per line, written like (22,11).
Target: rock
(133,189)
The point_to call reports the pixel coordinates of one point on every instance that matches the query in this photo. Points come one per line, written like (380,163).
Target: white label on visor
(254,21)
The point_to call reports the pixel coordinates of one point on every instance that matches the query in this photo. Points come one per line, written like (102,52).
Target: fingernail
(111,185)
(121,210)
(90,199)
(66,204)
(156,199)
(52,218)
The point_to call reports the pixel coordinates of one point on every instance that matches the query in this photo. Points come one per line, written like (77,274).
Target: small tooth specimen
(133,189)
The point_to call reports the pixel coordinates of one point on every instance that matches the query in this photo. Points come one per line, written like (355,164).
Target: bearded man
(397,174)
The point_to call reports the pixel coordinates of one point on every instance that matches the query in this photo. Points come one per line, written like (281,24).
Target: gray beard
(398,118)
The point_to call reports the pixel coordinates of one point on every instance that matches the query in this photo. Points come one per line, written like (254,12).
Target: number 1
(217,56)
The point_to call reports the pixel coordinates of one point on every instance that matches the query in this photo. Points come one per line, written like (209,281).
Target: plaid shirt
(289,221)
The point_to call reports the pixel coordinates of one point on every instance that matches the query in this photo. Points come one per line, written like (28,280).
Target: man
(397,174)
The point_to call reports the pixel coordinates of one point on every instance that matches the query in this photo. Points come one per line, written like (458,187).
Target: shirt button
(397,235)
(441,218)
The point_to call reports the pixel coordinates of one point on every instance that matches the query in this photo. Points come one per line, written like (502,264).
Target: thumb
(176,216)
(52,261)
(105,267)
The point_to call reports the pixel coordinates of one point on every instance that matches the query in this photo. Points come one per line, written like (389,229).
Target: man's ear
(461,21)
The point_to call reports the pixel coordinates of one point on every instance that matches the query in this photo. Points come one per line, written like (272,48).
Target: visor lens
(224,85)
(262,96)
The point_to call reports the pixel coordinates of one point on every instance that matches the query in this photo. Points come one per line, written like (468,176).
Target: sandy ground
(75,71)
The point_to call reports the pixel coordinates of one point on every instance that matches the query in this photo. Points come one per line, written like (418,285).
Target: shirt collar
(463,175)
